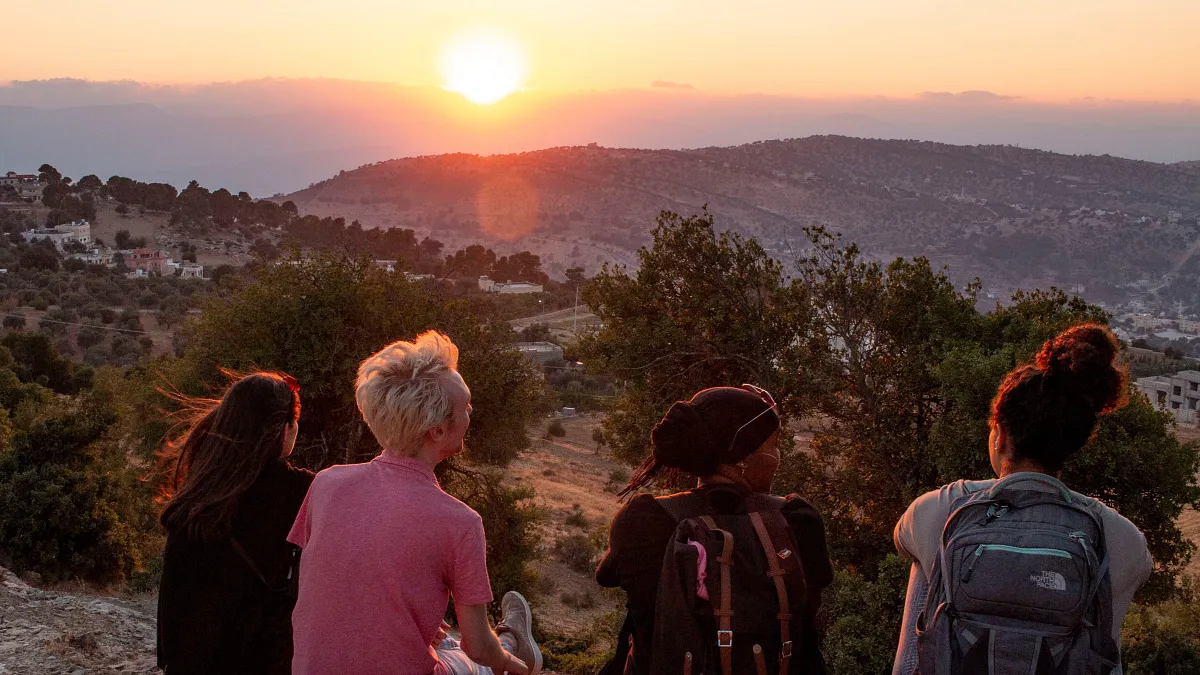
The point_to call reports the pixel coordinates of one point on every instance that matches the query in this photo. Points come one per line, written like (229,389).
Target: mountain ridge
(1014,216)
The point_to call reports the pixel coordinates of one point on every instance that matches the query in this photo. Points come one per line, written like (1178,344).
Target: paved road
(556,316)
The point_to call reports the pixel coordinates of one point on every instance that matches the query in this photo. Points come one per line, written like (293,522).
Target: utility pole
(575,320)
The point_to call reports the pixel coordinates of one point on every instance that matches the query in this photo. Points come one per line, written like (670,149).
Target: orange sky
(1039,49)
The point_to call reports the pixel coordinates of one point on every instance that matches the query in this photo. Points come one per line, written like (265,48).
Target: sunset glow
(483,67)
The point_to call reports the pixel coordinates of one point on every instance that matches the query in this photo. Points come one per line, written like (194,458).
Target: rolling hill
(1013,216)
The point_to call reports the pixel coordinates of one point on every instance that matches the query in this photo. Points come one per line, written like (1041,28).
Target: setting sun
(483,67)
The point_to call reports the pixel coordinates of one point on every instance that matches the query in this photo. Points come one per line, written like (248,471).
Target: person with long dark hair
(225,600)
(727,439)
(1020,573)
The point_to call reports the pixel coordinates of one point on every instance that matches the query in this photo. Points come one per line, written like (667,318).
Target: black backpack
(755,587)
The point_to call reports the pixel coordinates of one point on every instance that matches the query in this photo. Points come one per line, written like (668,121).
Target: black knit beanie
(698,435)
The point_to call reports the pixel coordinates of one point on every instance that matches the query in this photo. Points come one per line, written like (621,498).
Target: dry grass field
(564,472)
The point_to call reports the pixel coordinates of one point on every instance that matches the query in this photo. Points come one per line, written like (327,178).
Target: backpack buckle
(724,638)
(786,652)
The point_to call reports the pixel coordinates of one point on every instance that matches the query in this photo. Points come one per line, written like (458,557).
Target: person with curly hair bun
(981,578)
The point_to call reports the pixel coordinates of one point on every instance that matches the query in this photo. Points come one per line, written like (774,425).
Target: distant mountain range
(279,135)
(1013,216)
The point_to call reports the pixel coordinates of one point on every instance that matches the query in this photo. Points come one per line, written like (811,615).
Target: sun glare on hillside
(483,67)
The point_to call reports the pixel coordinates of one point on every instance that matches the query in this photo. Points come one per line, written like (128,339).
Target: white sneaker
(517,620)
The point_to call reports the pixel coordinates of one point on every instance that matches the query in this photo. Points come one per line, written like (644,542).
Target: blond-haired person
(385,547)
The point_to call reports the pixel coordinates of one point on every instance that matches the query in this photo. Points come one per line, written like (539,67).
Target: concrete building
(1147,322)
(515,287)
(188,271)
(148,260)
(61,235)
(97,256)
(541,353)
(18,179)
(1178,393)
(1188,326)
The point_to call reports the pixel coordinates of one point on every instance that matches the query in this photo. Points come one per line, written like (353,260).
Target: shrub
(1162,639)
(583,600)
(70,505)
(576,517)
(864,618)
(510,519)
(89,336)
(617,479)
(586,652)
(577,551)
(556,429)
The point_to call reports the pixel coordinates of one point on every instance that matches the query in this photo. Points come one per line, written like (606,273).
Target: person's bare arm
(481,644)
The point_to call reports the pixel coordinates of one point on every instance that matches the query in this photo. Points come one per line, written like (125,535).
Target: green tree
(71,505)
(318,319)
(89,183)
(704,309)
(48,174)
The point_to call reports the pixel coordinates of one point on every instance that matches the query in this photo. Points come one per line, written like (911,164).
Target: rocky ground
(46,632)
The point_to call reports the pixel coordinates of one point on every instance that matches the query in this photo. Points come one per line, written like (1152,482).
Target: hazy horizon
(280,134)
(1060,51)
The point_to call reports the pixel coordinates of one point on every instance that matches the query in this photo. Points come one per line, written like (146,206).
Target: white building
(97,256)
(61,235)
(540,353)
(1178,393)
(489,286)
(187,271)
(19,180)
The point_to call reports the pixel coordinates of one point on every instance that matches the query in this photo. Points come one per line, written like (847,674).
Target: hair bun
(1081,362)
(681,441)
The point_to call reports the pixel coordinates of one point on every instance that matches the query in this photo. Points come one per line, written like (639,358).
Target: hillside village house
(148,261)
(541,353)
(191,271)
(18,179)
(97,256)
(1178,393)
(489,286)
(61,235)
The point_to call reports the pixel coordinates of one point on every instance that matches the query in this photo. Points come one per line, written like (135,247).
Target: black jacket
(214,613)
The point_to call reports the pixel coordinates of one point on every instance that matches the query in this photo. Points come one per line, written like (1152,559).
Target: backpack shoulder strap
(241,551)
(237,546)
(725,613)
(777,573)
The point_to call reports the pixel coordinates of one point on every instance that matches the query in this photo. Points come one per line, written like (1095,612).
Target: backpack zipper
(966,575)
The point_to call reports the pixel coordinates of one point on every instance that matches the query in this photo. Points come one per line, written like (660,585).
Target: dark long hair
(1050,408)
(226,446)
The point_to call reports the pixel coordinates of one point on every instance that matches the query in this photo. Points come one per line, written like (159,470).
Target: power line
(89,325)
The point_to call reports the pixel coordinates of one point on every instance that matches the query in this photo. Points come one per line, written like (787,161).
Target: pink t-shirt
(384,549)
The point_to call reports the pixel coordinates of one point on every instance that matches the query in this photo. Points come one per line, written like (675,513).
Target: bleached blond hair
(406,389)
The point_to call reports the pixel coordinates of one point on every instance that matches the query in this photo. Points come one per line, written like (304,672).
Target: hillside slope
(1013,216)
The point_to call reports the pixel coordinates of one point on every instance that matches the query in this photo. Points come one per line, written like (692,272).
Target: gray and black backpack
(1020,587)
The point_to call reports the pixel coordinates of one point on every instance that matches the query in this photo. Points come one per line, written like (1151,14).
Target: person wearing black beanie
(727,438)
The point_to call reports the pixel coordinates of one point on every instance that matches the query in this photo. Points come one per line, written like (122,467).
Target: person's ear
(437,432)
